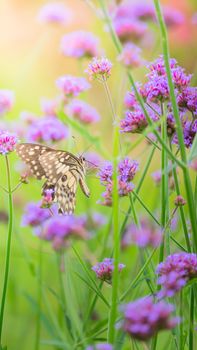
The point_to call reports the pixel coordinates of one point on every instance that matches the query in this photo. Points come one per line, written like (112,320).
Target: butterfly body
(62,171)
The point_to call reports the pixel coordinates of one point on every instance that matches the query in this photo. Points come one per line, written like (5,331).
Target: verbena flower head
(142,319)
(59,228)
(34,215)
(130,100)
(172,16)
(6,101)
(47,129)
(82,111)
(175,272)
(48,197)
(134,122)
(72,86)
(80,44)
(187,99)
(104,270)
(179,201)
(49,107)
(127,169)
(99,68)
(143,236)
(55,12)
(157,176)
(8,142)
(129,29)
(130,56)
(100,346)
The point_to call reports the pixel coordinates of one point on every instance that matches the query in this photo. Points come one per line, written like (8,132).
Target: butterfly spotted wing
(62,171)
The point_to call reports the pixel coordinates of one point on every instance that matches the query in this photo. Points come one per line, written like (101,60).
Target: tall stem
(179,130)
(8,249)
(39,281)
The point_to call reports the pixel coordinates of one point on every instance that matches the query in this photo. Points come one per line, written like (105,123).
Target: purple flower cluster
(99,68)
(127,169)
(82,111)
(47,129)
(72,86)
(144,235)
(143,318)
(100,346)
(104,270)
(54,12)
(155,93)
(175,272)
(80,44)
(58,229)
(34,215)
(50,107)
(130,56)
(6,101)
(8,142)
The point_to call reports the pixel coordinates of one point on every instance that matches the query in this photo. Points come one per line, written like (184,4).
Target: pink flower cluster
(104,270)
(130,56)
(72,86)
(142,319)
(144,235)
(6,101)
(99,68)
(46,129)
(8,142)
(175,272)
(80,44)
(82,111)
(54,12)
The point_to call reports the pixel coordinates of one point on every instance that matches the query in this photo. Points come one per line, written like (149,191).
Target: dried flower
(143,318)
(72,86)
(99,68)
(144,235)
(6,101)
(54,12)
(8,142)
(80,44)
(104,269)
(175,272)
(47,129)
(82,111)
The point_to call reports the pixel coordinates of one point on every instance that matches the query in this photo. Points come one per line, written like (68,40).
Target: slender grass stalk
(186,175)
(181,323)
(116,237)
(39,302)
(8,249)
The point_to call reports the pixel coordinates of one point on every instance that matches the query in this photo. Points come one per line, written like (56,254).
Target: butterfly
(61,170)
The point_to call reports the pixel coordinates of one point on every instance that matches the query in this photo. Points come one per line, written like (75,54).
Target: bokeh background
(30,62)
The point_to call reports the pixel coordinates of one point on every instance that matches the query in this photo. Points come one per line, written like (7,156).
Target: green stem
(181,323)
(179,130)
(116,237)
(191,320)
(39,280)
(8,249)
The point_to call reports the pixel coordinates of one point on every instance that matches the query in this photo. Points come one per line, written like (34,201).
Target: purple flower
(49,107)
(93,160)
(188,99)
(104,269)
(47,129)
(143,318)
(99,68)
(129,29)
(157,177)
(130,100)
(34,215)
(54,12)
(172,16)
(134,122)
(6,101)
(8,142)
(144,11)
(130,56)
(175,272)
(189,133)
(82,111)
(80,44)
(127,169)
(72,86)
(100,346)
(179,201)
(145,235)
(59,229)
(156,89)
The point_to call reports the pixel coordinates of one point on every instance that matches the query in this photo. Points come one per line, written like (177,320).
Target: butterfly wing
(30,153)
(65,193)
